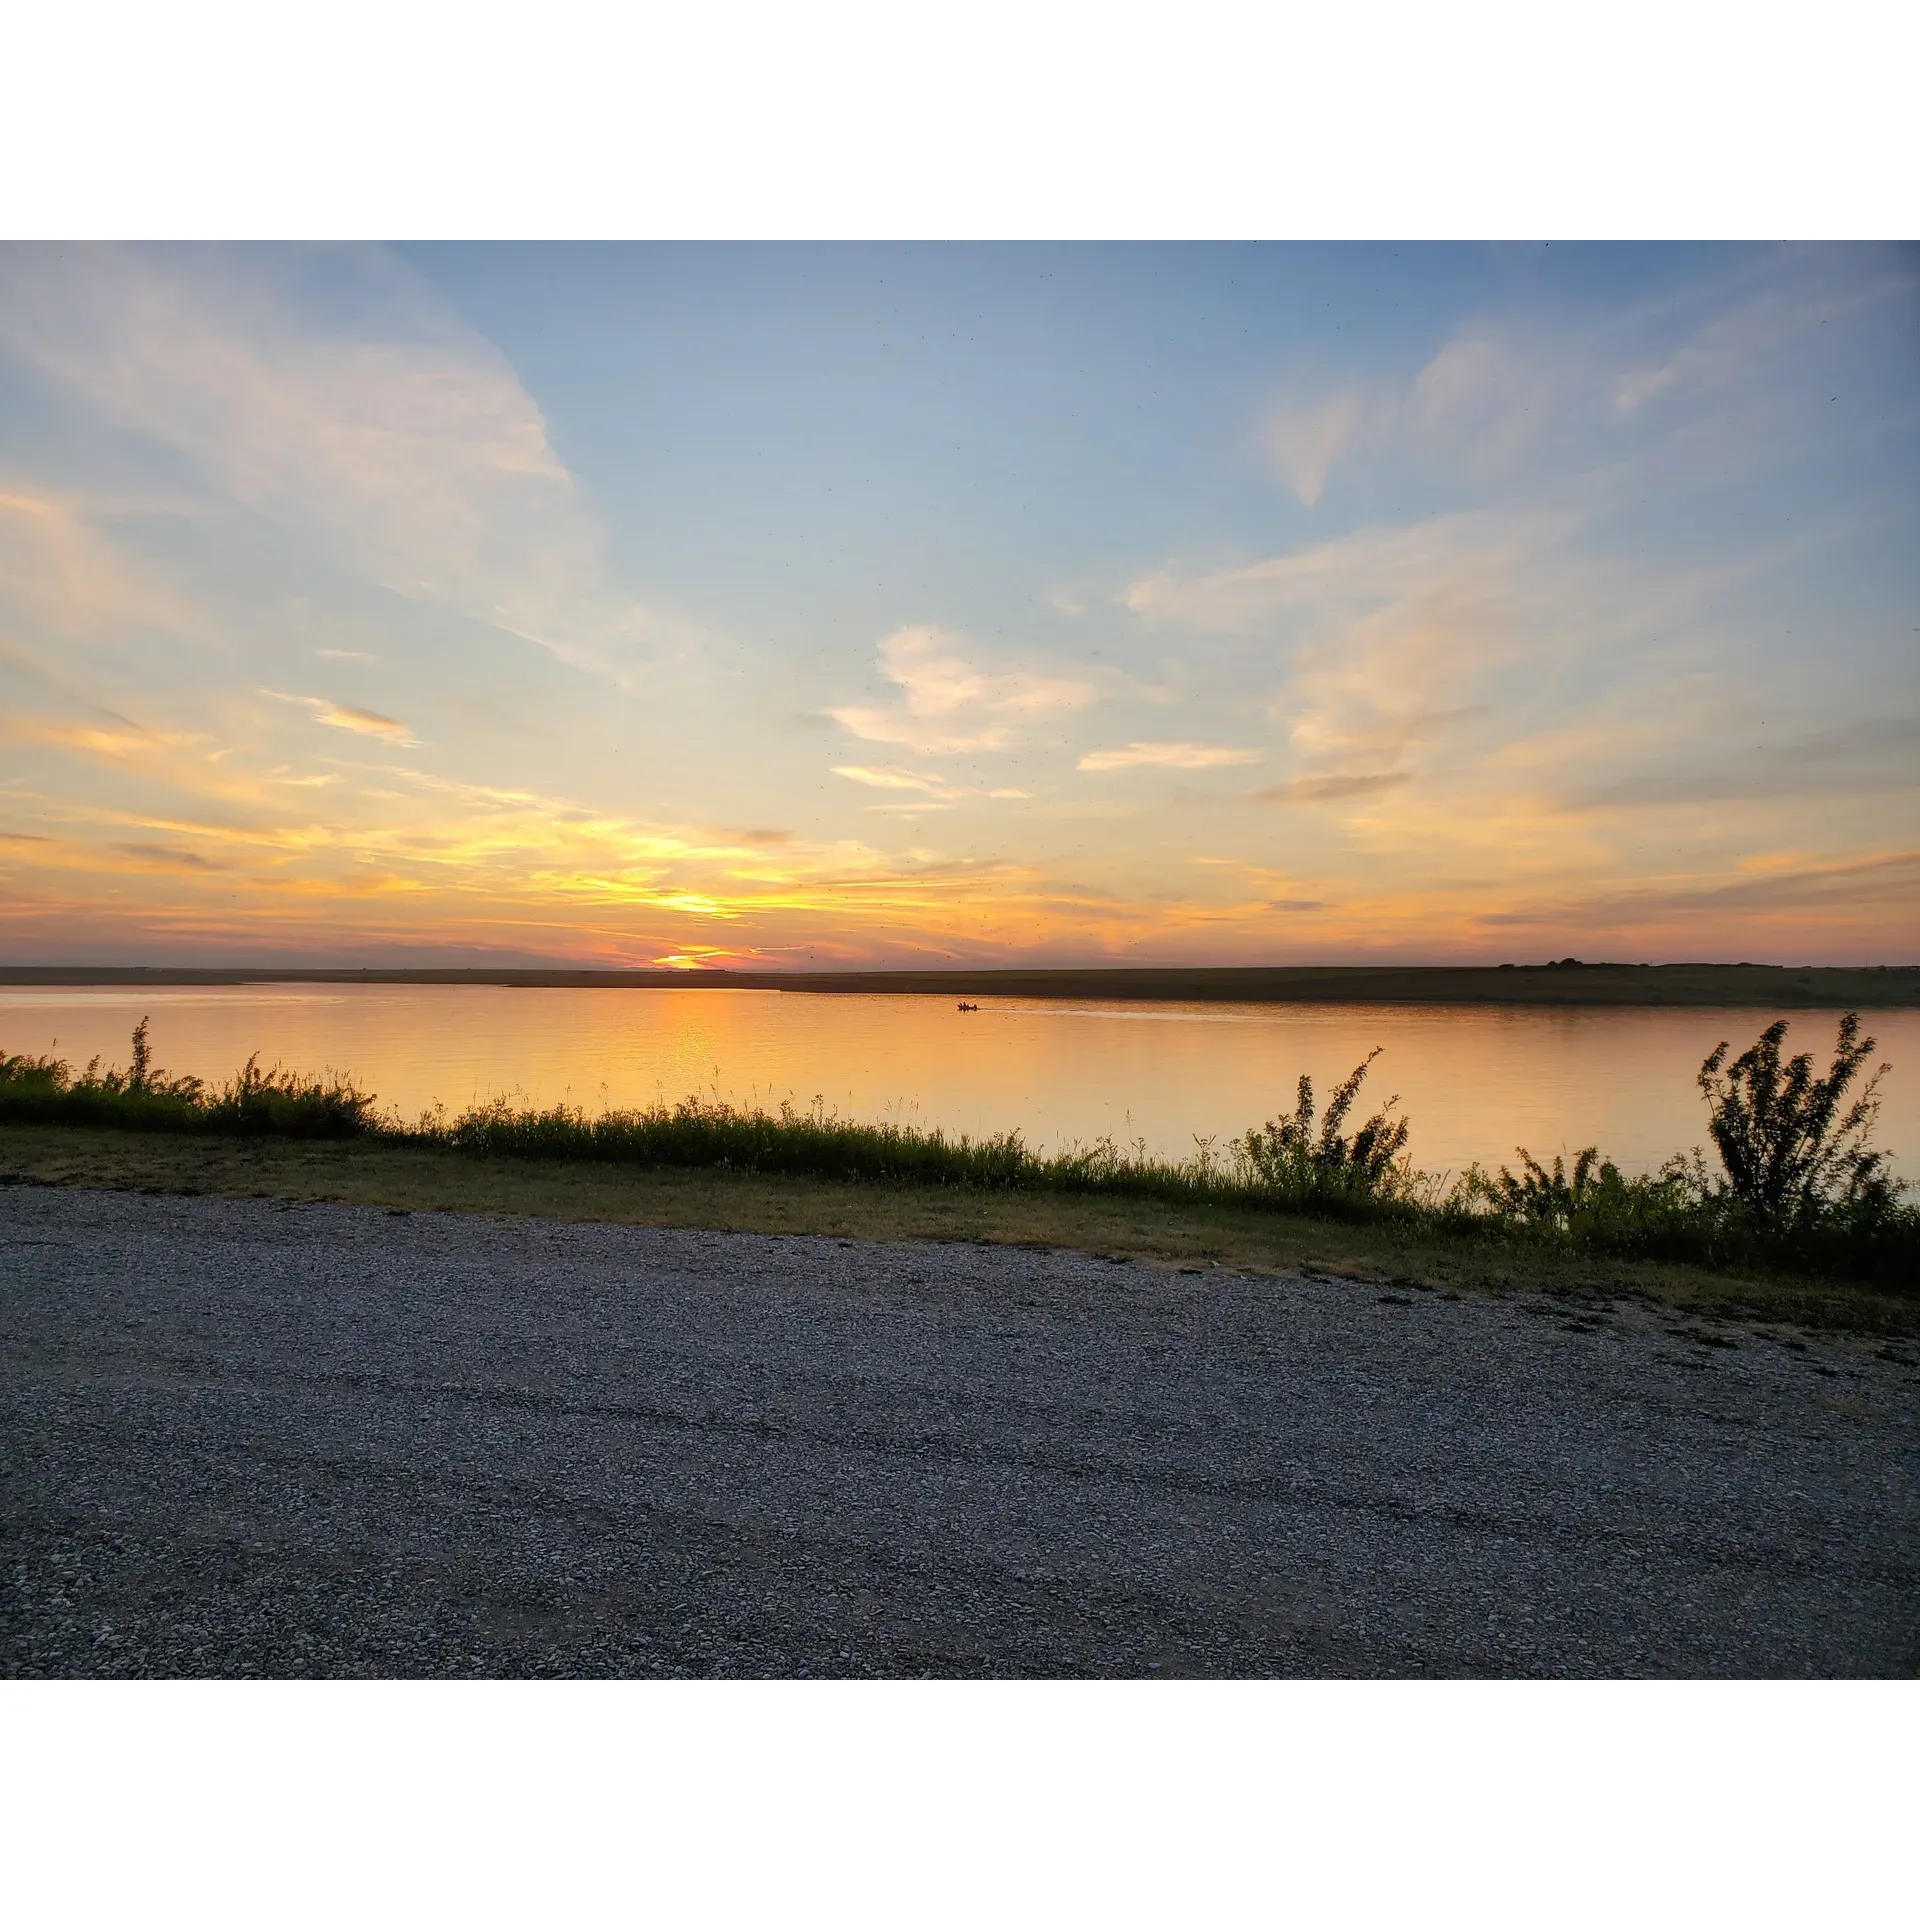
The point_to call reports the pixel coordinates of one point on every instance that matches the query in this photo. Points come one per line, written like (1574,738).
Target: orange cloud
(951,704)
(328,713)
(1165,753)
(1321,787)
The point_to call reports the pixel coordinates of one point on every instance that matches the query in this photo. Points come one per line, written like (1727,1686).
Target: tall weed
(1310,1165)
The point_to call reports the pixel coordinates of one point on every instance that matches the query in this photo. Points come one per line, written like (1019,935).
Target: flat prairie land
(1598,983)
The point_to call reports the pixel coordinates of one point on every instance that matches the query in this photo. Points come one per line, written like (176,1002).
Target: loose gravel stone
(247,1438)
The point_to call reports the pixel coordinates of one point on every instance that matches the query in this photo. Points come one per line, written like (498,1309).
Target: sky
(796,606)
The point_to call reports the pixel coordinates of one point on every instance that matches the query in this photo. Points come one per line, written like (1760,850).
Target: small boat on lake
(969,1006)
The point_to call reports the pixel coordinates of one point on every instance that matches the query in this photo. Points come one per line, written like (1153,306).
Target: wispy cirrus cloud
(330,713)
(150,854)
(1500,394)
(1877,756)
(894,779)
(1371,566)
(1791,296)
(375,424)
(950,704)
(1381,639)
(1181,754)
(64,572)
(1318,789)
(105,738)
(1480,402)
(1798,891)
(930,790)
(1308,437)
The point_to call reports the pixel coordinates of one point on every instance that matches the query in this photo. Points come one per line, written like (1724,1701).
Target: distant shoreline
(1594,983)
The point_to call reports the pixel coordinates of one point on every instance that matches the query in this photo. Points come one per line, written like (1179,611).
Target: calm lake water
(1476,1081)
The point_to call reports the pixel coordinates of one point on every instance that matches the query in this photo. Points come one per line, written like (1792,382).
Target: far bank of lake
(1568,982)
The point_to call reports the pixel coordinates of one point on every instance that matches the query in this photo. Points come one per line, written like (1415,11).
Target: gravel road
(247,1438)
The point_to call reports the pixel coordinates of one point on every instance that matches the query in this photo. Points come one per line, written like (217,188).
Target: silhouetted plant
(143,1097)
(1552,1198)
(26,1074)
(1292,1154)
(290,1106)
(146,1099)
(1791,1155)
(701,1131)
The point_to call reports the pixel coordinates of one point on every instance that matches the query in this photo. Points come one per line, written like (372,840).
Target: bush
(1550,1199)
(1791,1156)
(1799,1187)
(1595,1207)
(1291,1157)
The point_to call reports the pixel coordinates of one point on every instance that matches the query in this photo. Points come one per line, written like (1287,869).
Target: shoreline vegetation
(1800,1206)
(1557,983)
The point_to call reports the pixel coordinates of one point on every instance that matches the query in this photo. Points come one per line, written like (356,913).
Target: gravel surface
(247,1438)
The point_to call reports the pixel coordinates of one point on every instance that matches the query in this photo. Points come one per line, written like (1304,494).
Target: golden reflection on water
(1477,1081)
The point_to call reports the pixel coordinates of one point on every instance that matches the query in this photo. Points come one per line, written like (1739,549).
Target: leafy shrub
(1289,1155)
(1800,1185)
(1791,1156)
(1550,1199)
(1596,1206)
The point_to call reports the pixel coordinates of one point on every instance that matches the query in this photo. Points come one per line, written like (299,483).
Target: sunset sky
(801,606)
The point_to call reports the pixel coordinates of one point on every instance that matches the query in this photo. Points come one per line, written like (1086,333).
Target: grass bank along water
(1799,1188)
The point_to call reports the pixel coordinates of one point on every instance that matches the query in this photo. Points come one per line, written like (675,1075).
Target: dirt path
(247,1438)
